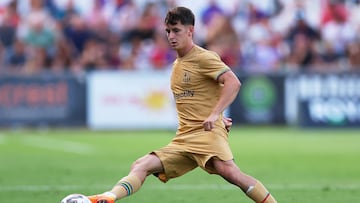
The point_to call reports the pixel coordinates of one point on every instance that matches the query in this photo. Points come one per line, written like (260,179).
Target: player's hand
(228,123)
(209,123)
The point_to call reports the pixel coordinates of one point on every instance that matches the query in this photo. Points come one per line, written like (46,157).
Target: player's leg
(253,188)
(131,183)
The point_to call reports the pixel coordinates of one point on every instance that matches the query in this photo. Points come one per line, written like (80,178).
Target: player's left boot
(102,198)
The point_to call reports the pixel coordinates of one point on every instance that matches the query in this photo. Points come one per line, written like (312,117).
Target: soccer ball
(75,198)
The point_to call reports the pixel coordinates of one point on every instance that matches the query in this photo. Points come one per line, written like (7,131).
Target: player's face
(179,35)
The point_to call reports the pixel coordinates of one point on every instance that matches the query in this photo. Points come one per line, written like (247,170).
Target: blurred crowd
(286,36)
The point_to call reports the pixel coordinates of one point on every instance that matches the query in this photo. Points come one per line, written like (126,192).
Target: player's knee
(138,164)
(222,166)
(147,164)
(224,171)
(228,170)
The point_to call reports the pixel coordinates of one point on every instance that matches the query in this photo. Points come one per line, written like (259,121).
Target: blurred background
(105,64)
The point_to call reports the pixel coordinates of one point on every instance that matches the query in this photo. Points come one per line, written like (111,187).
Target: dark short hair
(180,14)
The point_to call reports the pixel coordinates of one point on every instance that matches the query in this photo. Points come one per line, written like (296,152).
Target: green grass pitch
(297,166)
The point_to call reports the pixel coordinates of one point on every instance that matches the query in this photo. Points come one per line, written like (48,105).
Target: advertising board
(324,100)
(130,100)
(260,100)
(32,101)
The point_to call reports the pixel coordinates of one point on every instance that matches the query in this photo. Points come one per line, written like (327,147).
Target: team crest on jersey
(186,77)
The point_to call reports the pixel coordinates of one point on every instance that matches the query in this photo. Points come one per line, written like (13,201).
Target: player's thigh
(223,167)
(150,163)
(175,163)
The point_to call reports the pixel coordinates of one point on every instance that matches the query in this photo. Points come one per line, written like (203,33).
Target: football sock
(126,186)
(109,194)
(260,194)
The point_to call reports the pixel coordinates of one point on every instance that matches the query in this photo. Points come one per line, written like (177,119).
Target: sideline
(177,187)
(58,145)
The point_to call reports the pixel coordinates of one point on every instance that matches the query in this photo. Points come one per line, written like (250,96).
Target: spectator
(161,56)
(38,35)
(353,53)
(261,53)
(77,34)
(8,25)
(298,34)
(134,58)
(210,12)
(124,18)
(38,61)
(333,10)
(336,30)
(96,16)
(302,27)
(36,13)
(64,15)
(113,56)
(146,25)
(15,58)
(113,52)
(301,40)
(93,56)
(62,57)
(222,38)
(302,55)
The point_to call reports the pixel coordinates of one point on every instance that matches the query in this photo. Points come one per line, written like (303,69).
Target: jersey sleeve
(212,66)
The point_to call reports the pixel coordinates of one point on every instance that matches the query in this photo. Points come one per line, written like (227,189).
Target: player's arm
(231,87)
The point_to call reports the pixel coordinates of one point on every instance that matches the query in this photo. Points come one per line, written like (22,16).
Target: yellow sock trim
(126,186)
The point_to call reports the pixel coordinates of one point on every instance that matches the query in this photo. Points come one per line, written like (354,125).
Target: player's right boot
(102,198)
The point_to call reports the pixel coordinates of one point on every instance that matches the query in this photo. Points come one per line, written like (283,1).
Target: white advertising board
(130,100)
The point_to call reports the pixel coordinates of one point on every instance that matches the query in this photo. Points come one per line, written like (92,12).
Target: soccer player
(203,87)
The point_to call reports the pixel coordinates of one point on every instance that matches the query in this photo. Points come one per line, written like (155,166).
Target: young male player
(203,87)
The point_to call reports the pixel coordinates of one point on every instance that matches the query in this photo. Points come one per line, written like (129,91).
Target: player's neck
(182,52)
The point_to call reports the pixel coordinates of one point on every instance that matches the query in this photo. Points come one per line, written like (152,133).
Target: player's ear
(191,30)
